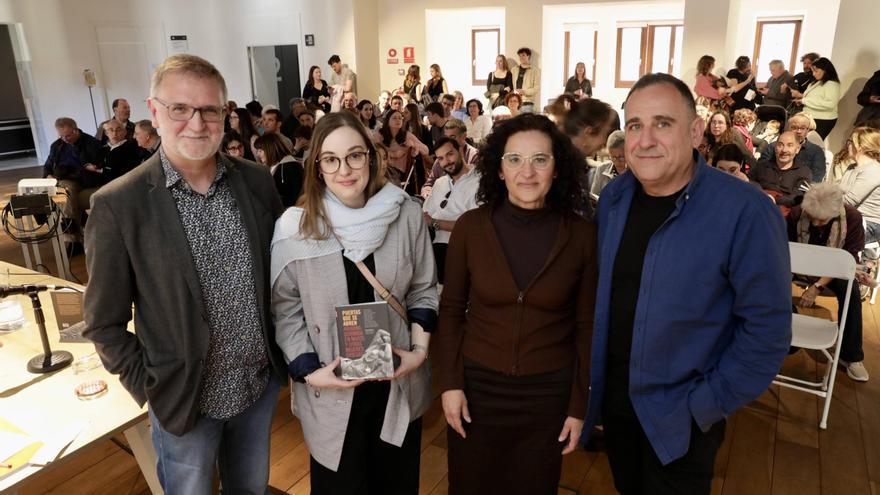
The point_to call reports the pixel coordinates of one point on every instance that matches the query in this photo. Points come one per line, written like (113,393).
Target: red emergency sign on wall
(409,55)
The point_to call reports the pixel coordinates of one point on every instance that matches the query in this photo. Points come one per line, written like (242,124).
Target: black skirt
(512,445)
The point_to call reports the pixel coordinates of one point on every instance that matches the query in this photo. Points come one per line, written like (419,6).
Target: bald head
(787,147)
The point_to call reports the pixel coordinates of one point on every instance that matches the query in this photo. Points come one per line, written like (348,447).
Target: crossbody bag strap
(383,292)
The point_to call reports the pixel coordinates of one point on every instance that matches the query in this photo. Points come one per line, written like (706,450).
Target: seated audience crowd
(408,182)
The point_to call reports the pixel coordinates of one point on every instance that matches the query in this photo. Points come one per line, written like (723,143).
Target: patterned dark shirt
(236,369)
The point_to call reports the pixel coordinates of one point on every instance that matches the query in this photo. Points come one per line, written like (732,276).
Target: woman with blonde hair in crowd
(436,86)
(459,111)
(499,82)
(860,180)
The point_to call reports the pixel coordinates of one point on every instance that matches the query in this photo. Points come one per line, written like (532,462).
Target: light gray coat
(305,293)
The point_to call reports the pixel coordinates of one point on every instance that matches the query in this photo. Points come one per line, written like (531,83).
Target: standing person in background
(363,437)
(412,84)
(802,80)
(745,91)
(499,82)
(203,356)
(869,99)
(316,91)
(578,84)
(664,385)
(821,96)
(709,92)
(777,91)
(436,86)
(526,78)
(341,75)
(517,315)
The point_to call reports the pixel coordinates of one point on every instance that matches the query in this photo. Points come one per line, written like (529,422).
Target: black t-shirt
(646,215)
(739,97)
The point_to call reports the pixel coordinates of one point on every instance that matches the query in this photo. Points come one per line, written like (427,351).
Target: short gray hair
(147,126)
(823,201)
(802,115)
(615,140)
(184,63)
(778,62)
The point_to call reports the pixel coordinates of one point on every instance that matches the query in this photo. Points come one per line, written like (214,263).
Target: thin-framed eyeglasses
(330,164)
(539,160)
(183,112)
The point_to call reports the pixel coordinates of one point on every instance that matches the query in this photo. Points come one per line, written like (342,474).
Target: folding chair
(809,332)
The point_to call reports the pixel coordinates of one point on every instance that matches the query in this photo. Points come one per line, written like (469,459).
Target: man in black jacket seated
(120,155)
(69,156)
(782,178)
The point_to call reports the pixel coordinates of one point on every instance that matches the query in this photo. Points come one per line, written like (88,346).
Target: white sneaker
(856,371)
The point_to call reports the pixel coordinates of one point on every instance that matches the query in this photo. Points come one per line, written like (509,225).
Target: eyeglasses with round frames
(183,112)
(330,164)
(539,160)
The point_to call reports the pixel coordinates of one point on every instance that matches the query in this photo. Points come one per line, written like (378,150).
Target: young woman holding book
(354,235)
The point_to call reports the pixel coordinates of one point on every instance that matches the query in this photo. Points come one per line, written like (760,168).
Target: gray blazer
(304,298)
(137,252)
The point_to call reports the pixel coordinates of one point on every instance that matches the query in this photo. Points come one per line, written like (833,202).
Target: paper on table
(12,443)
(57,442)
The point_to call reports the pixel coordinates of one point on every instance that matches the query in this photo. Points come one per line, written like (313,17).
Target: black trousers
(851,347)
(638,471)
(440,259)
(370,466)
(824,127)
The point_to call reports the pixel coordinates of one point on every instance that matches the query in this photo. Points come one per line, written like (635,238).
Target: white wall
(817,29)
(448,44)
(606,16)
(856,57)
(63,40)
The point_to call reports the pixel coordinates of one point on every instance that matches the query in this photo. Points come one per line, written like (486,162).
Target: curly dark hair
(565,193)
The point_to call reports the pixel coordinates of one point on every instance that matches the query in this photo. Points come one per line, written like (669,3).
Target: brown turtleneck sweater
(519,297)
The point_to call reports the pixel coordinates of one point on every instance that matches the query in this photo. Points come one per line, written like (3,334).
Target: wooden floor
(773,446)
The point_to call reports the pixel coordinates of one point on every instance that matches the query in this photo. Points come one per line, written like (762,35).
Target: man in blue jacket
(693,310)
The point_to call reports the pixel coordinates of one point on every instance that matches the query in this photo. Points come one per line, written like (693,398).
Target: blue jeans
(239,447)
(872,231)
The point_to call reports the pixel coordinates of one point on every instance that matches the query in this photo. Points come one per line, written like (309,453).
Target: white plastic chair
(809,332)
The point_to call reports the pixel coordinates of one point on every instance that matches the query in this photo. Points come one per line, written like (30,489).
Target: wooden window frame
(649,51)
(759,28)
(568,54)
(618,83)
(475,80)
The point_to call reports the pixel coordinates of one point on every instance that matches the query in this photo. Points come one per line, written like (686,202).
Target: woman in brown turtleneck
(516,315)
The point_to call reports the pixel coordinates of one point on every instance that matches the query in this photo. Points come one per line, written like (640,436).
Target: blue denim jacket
(713,318)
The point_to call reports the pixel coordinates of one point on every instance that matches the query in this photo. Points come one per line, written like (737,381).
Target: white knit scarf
(362,230)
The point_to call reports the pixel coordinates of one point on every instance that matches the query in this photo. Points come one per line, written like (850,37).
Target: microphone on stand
(12,290)
(47,361)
